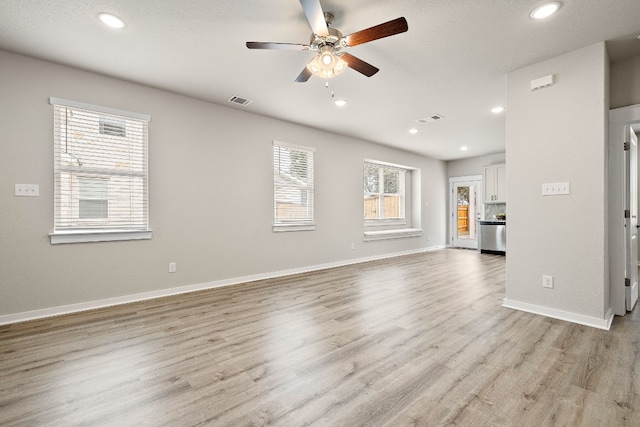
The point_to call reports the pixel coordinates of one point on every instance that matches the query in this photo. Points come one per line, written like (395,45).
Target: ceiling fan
(329,42)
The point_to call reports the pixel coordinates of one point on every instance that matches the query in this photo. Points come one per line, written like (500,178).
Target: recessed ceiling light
(497,110)
(413,131)
(340,102)
(111,20)
(464,148)
(545,10)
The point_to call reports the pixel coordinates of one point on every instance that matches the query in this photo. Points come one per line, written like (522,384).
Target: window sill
(384,222)
(84,236)
(293,227)
(392,234)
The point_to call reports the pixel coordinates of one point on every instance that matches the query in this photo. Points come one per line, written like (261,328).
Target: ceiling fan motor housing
(333,39)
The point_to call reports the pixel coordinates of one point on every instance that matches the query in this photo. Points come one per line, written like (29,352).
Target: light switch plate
(556,189)
(27,190)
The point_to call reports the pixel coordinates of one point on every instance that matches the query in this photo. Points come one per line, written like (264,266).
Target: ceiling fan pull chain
(326,85)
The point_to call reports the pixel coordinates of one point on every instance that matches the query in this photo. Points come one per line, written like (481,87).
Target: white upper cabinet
(495,184)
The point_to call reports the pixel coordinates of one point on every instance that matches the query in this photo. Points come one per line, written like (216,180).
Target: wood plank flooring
(420,340)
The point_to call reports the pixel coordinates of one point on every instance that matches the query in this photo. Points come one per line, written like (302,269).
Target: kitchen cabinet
(495,184)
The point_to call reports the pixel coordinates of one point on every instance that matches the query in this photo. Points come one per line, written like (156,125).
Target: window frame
(88,229)
(403,172)
(296,224)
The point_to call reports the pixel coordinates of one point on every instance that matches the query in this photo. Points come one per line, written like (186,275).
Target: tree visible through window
(384,192)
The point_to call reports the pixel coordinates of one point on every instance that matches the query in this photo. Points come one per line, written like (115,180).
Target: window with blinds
(293,175)
(100,168)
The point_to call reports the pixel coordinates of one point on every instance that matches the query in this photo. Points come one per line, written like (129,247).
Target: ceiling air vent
(429,119)
(240,100)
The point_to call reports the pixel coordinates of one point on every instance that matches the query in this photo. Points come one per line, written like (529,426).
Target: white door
(466,202)
(631,219)
(620,119)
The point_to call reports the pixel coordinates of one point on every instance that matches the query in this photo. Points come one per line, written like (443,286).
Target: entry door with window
(466,196)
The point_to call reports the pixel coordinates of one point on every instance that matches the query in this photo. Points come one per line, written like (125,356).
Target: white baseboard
(126,299)
(580,319)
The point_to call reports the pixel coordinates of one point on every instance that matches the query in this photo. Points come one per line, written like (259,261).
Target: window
(392,199)
(384,193)
(100,168)
(293,173)
(110,125)
(93,200)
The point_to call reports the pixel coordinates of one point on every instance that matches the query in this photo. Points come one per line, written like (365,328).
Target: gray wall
(210,195)
(558,134)
(473,165)
(625,82)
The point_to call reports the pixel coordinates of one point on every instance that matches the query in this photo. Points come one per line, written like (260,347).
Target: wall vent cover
(429,119)
(240,100)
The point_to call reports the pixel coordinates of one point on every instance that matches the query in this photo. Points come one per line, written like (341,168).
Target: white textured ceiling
(453,60)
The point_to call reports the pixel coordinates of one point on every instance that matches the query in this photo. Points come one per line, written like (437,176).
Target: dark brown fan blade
(359,65)
(315,16)
(387,29)
(304,75)
(278,46)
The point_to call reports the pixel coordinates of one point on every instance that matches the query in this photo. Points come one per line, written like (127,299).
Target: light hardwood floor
(417,340)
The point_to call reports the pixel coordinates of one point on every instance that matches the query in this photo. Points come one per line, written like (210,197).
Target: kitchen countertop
(492,221)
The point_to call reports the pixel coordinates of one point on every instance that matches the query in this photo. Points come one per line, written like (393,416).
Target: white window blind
(101,171)
(384,193)
(293,175)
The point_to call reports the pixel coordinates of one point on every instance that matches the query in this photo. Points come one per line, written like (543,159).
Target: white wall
(210,195)
(558,134)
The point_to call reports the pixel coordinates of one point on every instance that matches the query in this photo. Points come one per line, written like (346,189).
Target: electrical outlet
(172,267)
(353,246)
(547,281)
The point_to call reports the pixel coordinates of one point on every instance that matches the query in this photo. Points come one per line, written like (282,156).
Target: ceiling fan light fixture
(327,58)
(327,64)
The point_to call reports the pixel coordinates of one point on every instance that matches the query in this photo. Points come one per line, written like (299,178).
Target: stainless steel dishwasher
(493,237)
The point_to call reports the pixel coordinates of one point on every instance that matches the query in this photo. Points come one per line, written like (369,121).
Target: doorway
(466,203)
(624,125)
(631,220)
